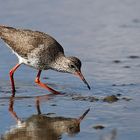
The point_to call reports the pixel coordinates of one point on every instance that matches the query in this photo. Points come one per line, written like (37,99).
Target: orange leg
(37,80)
(12,78)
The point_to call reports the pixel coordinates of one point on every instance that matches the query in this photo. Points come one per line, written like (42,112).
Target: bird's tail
(2,27)
(5,29)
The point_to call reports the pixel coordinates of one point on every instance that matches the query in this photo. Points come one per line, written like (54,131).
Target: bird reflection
(42,127)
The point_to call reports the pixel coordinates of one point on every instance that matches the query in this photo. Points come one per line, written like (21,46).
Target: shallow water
(105,36)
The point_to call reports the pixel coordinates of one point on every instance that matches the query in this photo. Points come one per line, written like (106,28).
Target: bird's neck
(60,63)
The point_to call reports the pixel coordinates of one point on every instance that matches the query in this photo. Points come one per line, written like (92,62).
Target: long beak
(82,78)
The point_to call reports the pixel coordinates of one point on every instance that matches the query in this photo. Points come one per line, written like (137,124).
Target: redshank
(40,51)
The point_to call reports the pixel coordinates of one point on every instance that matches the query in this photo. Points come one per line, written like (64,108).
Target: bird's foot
(46,87)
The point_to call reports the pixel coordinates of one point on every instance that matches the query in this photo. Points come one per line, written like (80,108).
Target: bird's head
(72,65)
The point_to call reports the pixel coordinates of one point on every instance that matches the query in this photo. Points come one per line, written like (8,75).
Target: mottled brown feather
(23,41)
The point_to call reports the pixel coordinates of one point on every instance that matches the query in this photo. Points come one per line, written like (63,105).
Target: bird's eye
(72,66)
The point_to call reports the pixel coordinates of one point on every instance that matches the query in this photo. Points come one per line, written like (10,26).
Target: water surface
(105,36)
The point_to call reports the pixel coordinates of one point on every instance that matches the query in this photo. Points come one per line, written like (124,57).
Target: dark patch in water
(119,94)
(53,105)
(136,20)
(134,57)
(87,98)
(5,92)
(126,99)
(111,99)
(126,67)
(97,127)
(108,99)
(123,85)
(116,61)
(29,105)
(49,114)
(2,104)
(131,84)
(114,85)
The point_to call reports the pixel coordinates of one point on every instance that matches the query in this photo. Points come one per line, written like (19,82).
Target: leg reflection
(11,109)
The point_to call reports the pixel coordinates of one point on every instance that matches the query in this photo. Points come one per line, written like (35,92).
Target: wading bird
(40,51)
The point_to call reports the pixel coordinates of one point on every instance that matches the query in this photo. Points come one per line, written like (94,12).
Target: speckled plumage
(32,45)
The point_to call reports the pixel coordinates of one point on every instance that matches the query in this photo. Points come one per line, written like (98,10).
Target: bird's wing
(24,41)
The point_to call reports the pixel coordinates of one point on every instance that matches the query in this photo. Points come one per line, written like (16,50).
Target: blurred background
(105,35)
